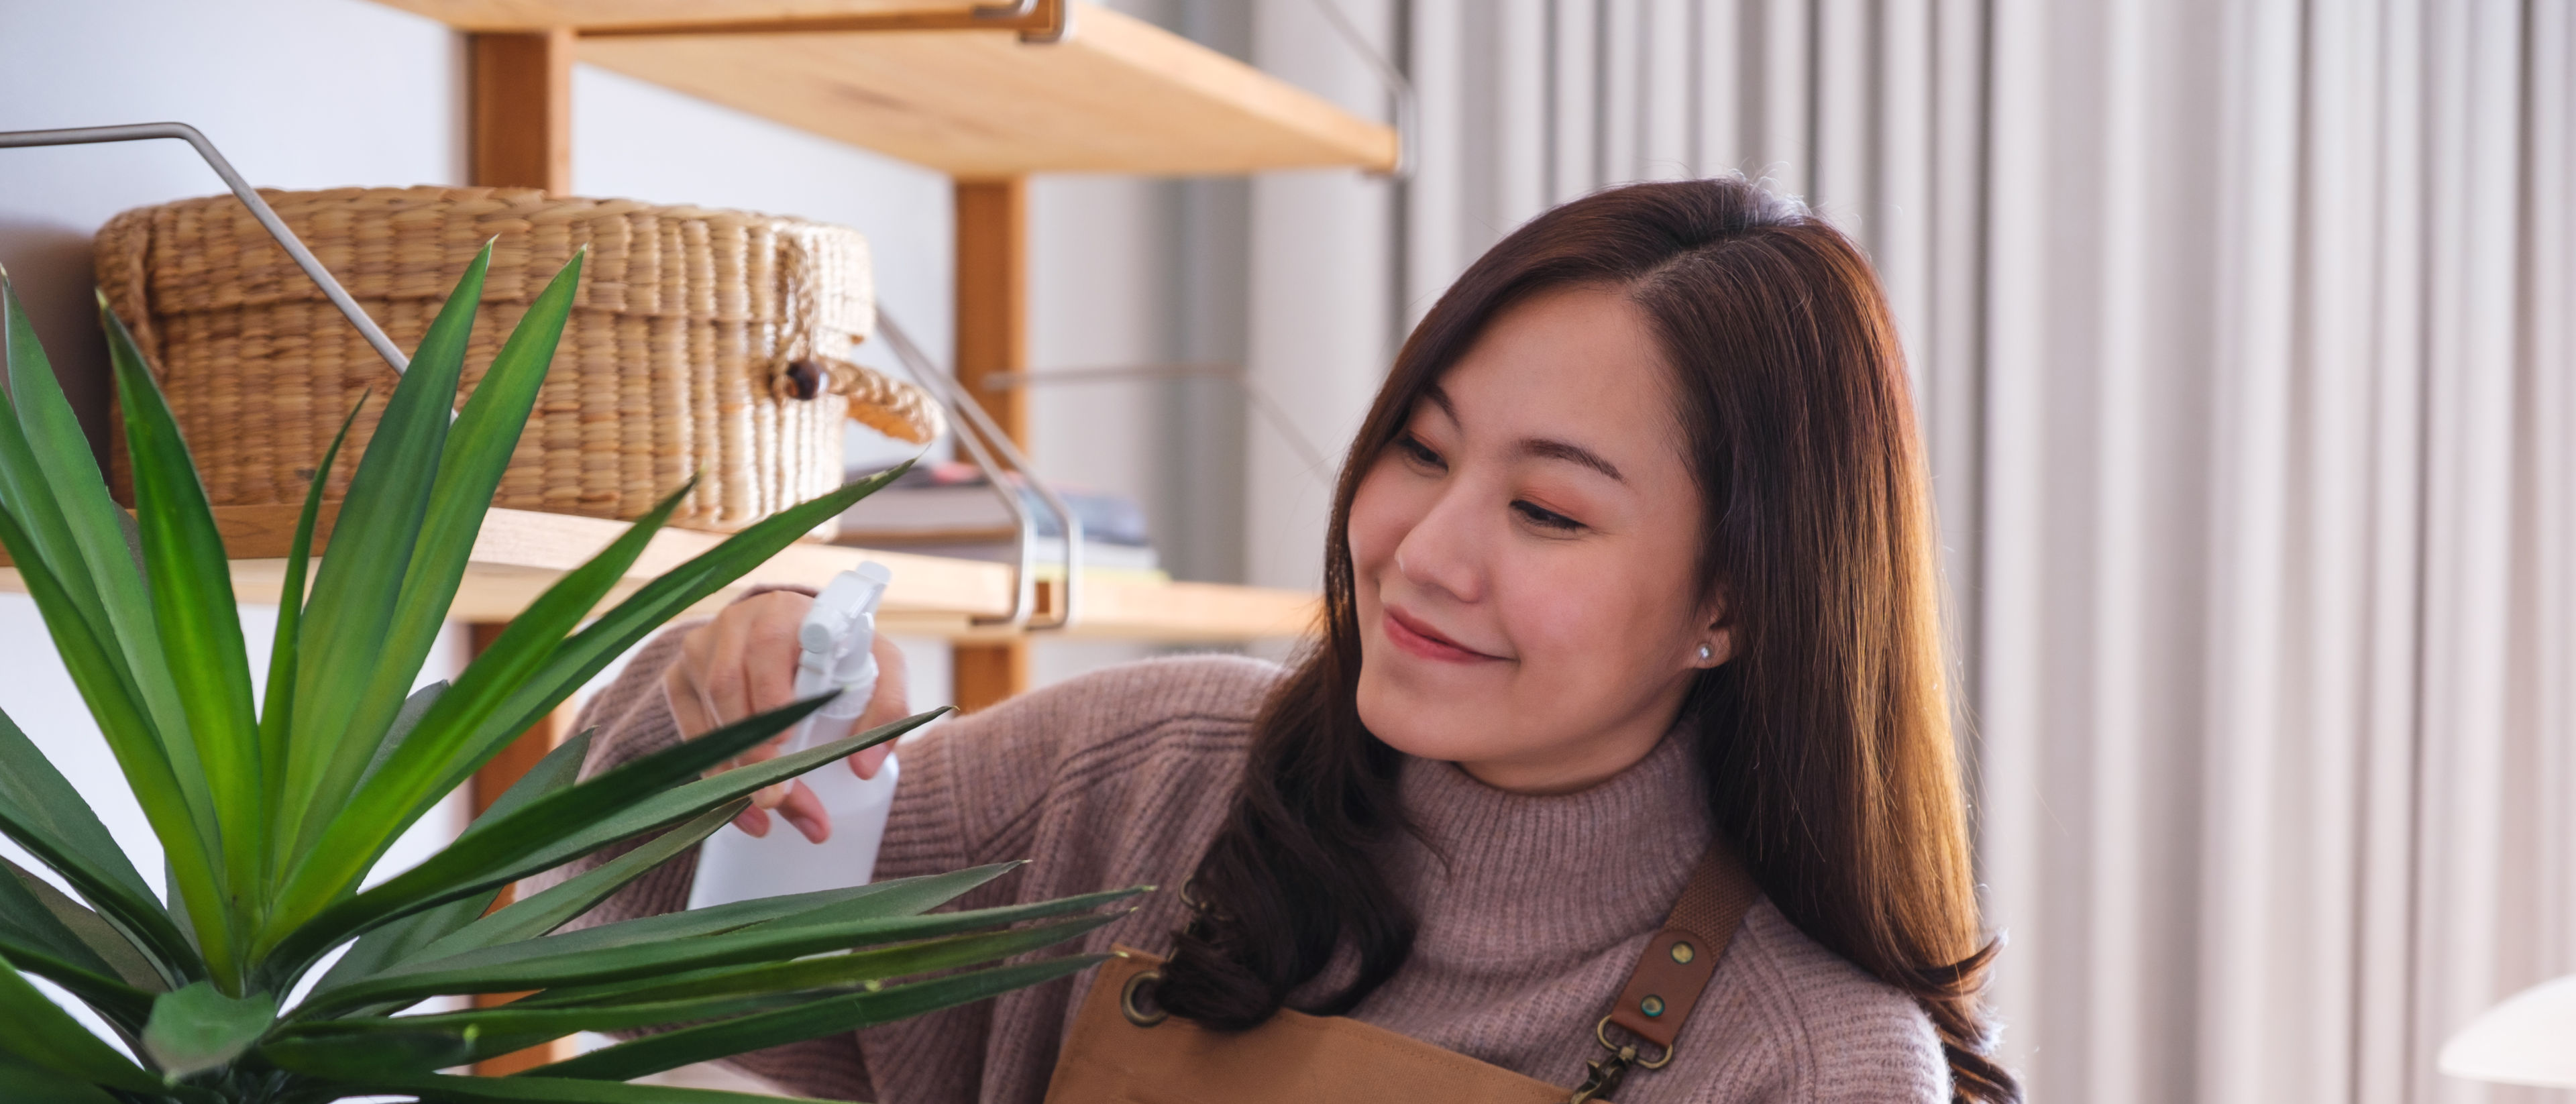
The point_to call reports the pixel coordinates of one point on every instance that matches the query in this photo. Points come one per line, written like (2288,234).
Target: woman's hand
(744,663)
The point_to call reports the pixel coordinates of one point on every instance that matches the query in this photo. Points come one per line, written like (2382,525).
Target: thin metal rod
(974,423)
(286,239)
(1253,396)
(1399,86)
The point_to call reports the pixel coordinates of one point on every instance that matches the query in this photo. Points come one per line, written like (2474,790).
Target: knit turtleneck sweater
(1530,911)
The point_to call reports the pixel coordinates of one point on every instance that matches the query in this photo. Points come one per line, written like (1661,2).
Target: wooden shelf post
(521,89)
(992,337)
(522,109)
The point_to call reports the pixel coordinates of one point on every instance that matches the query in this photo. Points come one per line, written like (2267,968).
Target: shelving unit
(519,553)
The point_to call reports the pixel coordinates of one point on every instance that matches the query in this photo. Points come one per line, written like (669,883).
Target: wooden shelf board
(1116,95)
(537,15)
(521,552)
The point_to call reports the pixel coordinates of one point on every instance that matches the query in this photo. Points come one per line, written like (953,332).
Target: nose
(1438,554)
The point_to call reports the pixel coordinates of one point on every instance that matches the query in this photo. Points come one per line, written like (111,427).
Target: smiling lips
(1412,635)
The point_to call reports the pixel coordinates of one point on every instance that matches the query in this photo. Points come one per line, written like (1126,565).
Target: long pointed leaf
(42,812)
(832,1016)
(829,971)
(30,1083)
(560,904)
(39,1031)
(500,850)
(130,737)
(477,451)
(441,1089)
(98,944)
(201,639)
(401,940)
(360,581)
(897,897)
(34,933)
(406,784)
(621,628)
(50,483)
(277,706)
(535,964)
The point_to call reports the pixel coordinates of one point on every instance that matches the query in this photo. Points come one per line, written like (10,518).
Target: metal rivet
(1683,952)
(1652,1006)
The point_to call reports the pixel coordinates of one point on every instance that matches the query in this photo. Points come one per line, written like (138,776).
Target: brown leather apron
(1122,1051)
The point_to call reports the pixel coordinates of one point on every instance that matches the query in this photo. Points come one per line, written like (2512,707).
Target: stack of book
(949,509)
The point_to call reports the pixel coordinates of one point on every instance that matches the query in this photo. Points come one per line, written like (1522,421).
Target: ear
(1717,633)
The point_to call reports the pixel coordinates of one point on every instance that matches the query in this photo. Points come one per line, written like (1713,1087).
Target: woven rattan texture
(675,360)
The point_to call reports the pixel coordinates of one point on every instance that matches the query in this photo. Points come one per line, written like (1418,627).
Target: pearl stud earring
(1706,653)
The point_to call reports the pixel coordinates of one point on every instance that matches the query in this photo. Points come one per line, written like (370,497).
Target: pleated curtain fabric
(2242,337)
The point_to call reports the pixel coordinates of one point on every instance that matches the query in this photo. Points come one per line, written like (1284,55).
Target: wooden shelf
(521,552)
(1115,94)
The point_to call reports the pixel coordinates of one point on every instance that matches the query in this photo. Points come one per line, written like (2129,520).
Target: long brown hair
(1825,742)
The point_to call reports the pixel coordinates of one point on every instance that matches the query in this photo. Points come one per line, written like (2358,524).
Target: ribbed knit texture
(1531,909)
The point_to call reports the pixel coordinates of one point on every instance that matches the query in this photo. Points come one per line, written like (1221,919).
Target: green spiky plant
(272,813)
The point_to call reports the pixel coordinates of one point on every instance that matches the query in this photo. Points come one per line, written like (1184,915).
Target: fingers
(867,763)
(805,810)
(887,704)
(753,821)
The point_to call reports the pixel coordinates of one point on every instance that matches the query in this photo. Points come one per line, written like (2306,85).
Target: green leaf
(402,939)
(441,1089)
(621,628)
(64,927)
(838,971)
(711,995)
(558,905)
(407,783)
(199,1028)
(278,705)
(354,593)
(550,831)
(830,1016)
(30,1083)
(406,721)
(542,963)
(42,812)
(477,451)
(201,639)
(364,1056)
(35,933)
(41,1032)
(898,897)
(138,754)
(53,488)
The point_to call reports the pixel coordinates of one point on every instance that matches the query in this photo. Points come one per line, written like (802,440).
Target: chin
(1428,725)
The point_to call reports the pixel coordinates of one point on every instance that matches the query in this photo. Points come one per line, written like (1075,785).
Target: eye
(1545,518)
(1417,453)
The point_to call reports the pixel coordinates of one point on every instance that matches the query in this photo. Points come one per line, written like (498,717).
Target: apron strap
(1674,970)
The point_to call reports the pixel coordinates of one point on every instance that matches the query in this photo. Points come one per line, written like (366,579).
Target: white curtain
(2242,335)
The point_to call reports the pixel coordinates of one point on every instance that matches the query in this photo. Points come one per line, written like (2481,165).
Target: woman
(1632,559)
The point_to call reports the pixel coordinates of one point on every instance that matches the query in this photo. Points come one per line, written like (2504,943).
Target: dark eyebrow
(1571,453)
(1439,398)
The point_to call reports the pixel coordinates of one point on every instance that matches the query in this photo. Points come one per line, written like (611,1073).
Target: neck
(1582,762)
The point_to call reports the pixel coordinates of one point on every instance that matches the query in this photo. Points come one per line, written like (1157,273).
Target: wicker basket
(702,341)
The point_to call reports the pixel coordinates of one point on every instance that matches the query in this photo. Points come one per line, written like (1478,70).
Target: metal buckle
(1127,1001)
(1607,1072)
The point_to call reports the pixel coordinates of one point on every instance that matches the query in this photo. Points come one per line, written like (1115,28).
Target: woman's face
(1525,554)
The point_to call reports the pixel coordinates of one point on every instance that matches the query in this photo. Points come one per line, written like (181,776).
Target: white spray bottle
(835,638)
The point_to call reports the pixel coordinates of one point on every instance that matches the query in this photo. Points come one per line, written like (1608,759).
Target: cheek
(1589,623)
(1380,516)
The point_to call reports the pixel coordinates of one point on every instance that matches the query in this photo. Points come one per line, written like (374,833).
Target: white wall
(297,94)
